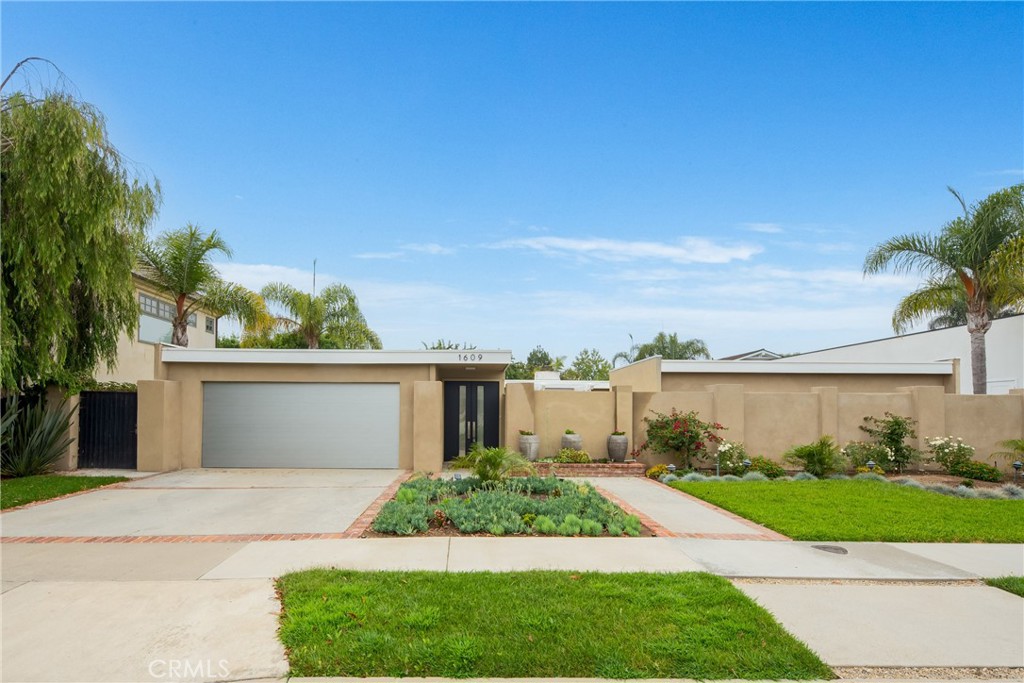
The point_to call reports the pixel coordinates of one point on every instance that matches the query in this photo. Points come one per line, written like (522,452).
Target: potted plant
(572,440)
(529,444)
(618,446)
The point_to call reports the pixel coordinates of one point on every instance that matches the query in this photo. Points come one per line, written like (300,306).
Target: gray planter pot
(529,446)
(618,447)
(572,441)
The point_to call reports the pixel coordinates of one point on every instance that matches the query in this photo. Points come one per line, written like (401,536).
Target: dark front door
(106,429)
(470,415)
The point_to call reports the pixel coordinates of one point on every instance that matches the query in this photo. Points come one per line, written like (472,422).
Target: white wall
(1004,345)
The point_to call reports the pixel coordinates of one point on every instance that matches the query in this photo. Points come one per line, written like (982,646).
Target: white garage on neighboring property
(300,424)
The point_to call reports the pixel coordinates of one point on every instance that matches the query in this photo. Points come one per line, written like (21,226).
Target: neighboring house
(1004,347)
(760,354)
(136,356)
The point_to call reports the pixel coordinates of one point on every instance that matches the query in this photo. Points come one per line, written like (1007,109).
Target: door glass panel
(462,420)
(478,428)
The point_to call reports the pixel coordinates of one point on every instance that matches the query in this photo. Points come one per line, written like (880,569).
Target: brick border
(362,523)
(657,529)
(764,533)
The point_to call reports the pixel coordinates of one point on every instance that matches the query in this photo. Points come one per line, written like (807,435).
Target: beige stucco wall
(984,421)
(644,375)
(645,404)
(589,414)
(853,408)
(519,411)
(776,422)
(688,381)
(428,426)
(159,426)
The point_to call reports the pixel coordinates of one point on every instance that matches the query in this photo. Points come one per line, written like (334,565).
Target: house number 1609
(471,356)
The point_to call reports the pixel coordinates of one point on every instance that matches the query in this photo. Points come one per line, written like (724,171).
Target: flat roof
(787,367)
(171,354)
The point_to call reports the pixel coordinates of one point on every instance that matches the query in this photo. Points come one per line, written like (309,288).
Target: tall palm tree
(956,314)
(964,261)
(333,314)
(178,263)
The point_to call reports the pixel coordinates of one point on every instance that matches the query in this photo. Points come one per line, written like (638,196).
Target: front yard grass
(1010,584)
(23,490)
(533,624)
(854,510)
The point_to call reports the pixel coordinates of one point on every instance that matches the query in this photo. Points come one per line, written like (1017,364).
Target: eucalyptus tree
(331,316)
(966,260)
(73,211)
(178,263)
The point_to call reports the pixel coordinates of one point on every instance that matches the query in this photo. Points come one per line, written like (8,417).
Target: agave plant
(34,437)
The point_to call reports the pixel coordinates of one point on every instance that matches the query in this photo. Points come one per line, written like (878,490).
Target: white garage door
(257,424)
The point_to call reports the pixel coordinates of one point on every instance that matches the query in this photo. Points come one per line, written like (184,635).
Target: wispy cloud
(431,248)
(765,228)
(684,250)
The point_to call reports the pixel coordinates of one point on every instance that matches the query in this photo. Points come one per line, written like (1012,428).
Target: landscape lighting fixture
(671,469)
(746,463)
(1016,469)
(871,464)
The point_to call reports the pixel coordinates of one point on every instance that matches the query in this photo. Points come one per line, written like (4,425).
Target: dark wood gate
(107,423)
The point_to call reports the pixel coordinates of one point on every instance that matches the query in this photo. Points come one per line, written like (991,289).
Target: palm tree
(669,347)
(629,355)
(964,261)
(331,315)
(178,264)
(956,314)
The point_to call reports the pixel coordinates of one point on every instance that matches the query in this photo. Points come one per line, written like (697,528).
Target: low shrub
(989,494)
(1012,491)
(820,458)
(657,471)
(402,518)
(859,453)
(768,468)
(950,454)
(682,433)
(573,455)
(730,457)
(871,476)
(754,476)
(977,470)
(693,476)
(864,469)
(802,476)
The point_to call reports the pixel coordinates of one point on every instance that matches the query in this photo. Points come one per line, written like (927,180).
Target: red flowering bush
(685,434)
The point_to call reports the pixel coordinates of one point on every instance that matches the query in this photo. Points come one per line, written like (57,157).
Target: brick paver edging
(362,523)
(657,529)
(763,533)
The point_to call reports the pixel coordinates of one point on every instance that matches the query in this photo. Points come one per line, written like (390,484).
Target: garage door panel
(265,424)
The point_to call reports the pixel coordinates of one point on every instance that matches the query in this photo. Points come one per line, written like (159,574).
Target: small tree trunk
(978,324)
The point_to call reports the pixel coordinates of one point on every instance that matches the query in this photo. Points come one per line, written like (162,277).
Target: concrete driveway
(210,503)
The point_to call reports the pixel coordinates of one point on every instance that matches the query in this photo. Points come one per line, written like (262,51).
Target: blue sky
(559,174)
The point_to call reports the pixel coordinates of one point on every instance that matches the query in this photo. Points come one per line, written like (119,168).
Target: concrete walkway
(127,611)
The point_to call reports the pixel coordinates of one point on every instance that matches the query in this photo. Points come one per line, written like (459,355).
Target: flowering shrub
(685,434)
(730,458)
(657,472)
(768,468)
(950,454)
(892,432)
(860,453)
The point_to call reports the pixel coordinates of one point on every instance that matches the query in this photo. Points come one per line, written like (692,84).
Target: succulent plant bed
(520,506)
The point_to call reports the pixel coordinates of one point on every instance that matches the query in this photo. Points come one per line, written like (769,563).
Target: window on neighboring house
(210,322)
(155,321)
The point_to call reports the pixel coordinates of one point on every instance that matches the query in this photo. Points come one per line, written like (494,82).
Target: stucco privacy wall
(788,383)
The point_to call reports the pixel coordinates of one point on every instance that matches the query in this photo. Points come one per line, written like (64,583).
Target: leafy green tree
(178,264)
(539,359)
(589,364)
(517,370)
(966,260)
(330,318)
(72,213)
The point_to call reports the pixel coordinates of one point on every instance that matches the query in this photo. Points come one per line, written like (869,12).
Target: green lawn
(853,510)
(1011,584)
(533,624)
(14,492)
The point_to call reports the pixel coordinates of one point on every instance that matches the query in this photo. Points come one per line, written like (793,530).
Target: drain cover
(831,549)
